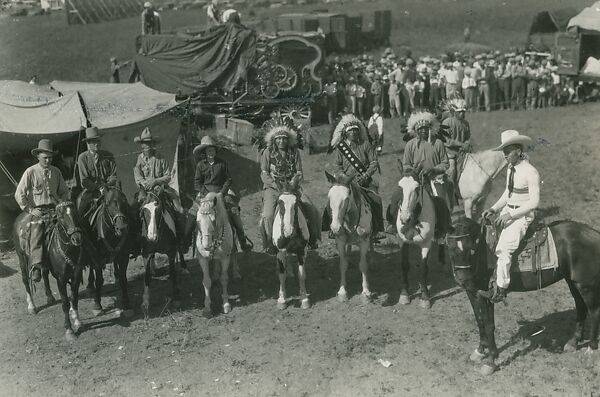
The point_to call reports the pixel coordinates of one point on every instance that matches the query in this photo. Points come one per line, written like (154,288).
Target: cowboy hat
(44,146)
(91,134)
(145,137)
(204,143)
(512,137)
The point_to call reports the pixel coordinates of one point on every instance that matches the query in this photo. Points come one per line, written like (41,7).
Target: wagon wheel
(290,81)
(301,114)
(270,90)
(279,73)
(254,89)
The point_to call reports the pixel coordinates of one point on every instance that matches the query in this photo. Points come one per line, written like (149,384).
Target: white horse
(421,235)
(351,224)
(474,182)
(214,242)
(290,236)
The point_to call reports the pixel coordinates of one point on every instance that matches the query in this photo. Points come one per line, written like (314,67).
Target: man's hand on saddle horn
(36,212)
(487,215)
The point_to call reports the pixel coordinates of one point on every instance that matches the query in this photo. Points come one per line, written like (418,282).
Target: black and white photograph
(299,198)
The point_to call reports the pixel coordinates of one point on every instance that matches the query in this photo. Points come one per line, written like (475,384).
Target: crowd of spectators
(487,81)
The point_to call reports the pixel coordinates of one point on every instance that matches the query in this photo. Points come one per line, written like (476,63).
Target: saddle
(536,252)
(24,232)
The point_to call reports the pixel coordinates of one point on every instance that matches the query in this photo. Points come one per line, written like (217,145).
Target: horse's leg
(591,297)
(235,265)
(31,309)
(121,264)
(481,351)
(281,272)
(49,297)
(224,281)
(182,263)
(173,278)
(91,278)
(582,312)
(363,265)
(404,268)
(66,305)
(341,247)
(99,283)
(489,363)
(468,204)
(423,273)
(147,278)
(304,301)
(206,283)
(74,311)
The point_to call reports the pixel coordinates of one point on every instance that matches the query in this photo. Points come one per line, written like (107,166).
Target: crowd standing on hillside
(488,81)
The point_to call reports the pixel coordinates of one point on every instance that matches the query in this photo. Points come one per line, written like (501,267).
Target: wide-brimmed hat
(44,146)
(205,142)
(91,134)
(512,137)
(145,137)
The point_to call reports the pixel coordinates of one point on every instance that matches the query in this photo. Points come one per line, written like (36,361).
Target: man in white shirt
(375,127)
(516,206)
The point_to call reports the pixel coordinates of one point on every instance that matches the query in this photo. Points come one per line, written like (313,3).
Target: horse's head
(462,244)
(67,220)
(410,197)
(151,214)
(339,199)
(115,205)
(206,220)
(287,206)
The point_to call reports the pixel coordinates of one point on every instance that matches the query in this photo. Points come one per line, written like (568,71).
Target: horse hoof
(227,308)
(50,301)
(145,310)
(476,357)
(589,351)
(570,347)
(342,297)
(424,304)
(404,299)
(127,313)
(31,310)
(97,312)
(207,312)
(366,298)
(70,335)
(487,369)
(281,304)
(305,304)
(77,325)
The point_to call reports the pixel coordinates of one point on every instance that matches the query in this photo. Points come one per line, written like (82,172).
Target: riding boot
(236,221)
(188,232)
(495,294)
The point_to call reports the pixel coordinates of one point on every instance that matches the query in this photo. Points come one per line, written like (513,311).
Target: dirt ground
(333,348)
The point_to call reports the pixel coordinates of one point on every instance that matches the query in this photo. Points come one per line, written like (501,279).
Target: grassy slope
(46,46)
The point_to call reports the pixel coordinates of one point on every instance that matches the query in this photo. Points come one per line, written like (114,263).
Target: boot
(245,243)
(188,232)
(495,294)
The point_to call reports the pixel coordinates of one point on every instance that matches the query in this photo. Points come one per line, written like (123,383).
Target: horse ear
(330,178)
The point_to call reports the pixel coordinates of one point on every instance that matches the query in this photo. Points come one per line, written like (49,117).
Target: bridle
(59,231)
(209,210)
(110,220)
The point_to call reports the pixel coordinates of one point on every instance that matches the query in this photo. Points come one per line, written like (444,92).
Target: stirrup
(247,245)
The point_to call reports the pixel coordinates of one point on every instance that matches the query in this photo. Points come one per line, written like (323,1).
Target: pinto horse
(110,227)
(418,232)
(578,249)
(63,251)
(351,224)
(214,241)
(159,235)
(474,182)
(290,236)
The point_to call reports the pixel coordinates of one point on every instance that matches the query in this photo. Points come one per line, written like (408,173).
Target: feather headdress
(420,119)
(347,122)
(455,105)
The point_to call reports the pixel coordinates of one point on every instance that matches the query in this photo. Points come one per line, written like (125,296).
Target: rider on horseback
(357,153)
(457,143)
(212,175)
(281,169)
(41,187)
(424,157)
(97,171)
(516,206)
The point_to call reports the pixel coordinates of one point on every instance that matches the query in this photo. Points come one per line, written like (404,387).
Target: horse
(578,249)
(351,224)
(159,235)
(110,227)
(63,252)
(419,232)
(474,182)
(214,241)
(290,236)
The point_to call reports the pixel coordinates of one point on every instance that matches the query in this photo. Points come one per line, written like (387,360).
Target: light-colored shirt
(526,191)
(151,168)
(377,120)
(41,186)
(451,76)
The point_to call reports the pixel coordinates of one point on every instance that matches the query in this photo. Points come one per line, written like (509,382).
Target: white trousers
(508,242)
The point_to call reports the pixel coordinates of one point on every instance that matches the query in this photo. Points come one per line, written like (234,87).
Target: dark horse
(158,236)
(63,252)
(578,248)
(110,229)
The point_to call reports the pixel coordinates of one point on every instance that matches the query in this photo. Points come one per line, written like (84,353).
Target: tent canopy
(552,21)
(196,61)
(588,19)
